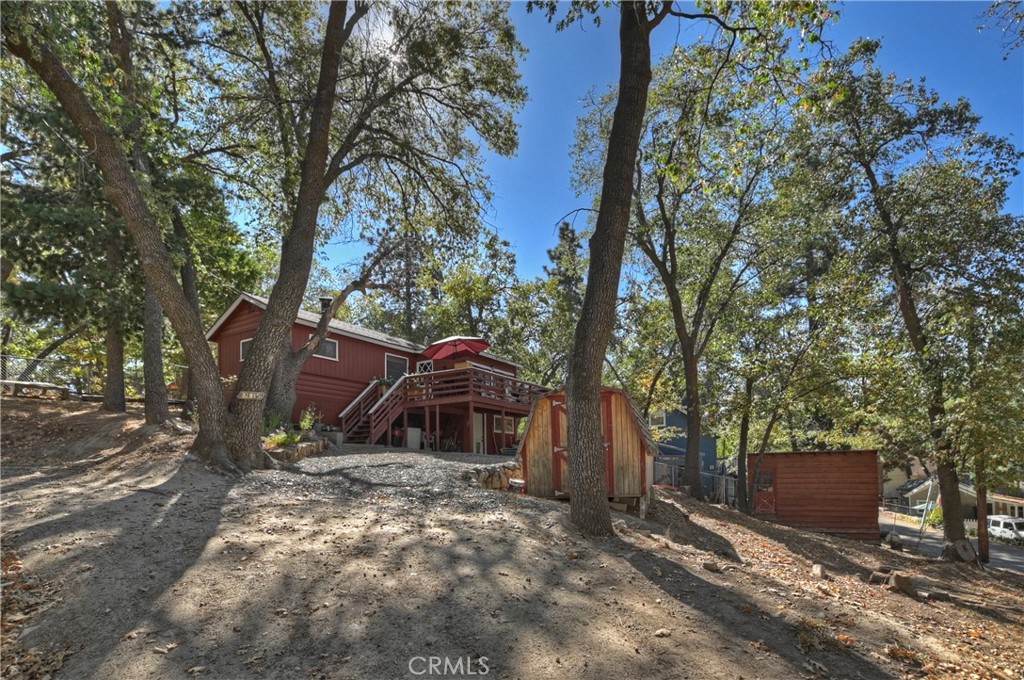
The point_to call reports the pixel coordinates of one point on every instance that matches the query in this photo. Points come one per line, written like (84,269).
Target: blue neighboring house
(673,451)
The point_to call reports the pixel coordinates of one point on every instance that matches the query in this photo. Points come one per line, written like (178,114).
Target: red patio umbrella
(455,346)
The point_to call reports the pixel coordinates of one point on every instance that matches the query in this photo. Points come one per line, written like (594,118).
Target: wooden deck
(467,389)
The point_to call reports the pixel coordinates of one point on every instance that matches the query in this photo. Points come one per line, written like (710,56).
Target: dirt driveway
(128,563)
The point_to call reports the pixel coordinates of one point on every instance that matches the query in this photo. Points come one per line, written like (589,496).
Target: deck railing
(455,385)
(470,383)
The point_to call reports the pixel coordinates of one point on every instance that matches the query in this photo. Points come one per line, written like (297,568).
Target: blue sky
(937,40)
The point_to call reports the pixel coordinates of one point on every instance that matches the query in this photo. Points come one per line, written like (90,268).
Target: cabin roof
(340,327)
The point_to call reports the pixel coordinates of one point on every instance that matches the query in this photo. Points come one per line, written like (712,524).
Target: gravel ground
(354,472)
(122,562)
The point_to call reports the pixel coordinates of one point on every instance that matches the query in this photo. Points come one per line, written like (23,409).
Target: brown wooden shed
(629,449)
(834,492)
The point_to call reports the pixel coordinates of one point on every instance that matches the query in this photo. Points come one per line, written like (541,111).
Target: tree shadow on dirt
(830,551)
(93,452)
(117,558)
(740,625)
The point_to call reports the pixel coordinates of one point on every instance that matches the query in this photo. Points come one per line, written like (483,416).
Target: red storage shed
(833,492)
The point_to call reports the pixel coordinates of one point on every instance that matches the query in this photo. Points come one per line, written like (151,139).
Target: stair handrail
(358,408)
(393,398)
(355,402)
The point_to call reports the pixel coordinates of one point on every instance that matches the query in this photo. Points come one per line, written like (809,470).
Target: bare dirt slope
(121,561)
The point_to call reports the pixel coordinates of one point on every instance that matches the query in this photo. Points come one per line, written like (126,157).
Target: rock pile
(495,476)
(296,452)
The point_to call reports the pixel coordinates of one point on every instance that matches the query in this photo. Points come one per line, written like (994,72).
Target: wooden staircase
(389,407)
(355,419)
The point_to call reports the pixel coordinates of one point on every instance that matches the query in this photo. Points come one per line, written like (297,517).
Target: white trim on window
(388,355)
(656,418)
(425,366)
(242,351)
(323,343)
(509,425)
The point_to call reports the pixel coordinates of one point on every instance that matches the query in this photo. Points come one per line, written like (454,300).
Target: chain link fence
(85,378)
(718,488)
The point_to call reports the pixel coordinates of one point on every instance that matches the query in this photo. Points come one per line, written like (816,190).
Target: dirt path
(364,563)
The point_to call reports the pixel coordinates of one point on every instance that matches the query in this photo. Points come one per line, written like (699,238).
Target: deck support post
(405,428)
(504,435)
(426,428)
(437,424)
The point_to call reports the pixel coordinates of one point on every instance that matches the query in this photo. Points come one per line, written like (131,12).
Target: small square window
(328,349)
(656,419)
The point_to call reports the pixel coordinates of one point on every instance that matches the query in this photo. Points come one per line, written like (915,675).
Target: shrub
(310,416)
(280,438)
(935,517)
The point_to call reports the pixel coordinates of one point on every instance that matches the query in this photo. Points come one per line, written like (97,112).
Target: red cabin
(834,492)
(381,389)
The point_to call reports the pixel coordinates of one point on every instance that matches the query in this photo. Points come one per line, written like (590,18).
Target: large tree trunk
(281,397)
(4,341)
(949,486)
(189,284)
(742,500)
(123,190)
(219,433)
(153,360)
(250,398)
(693,425)
(587,486)
(949,480)
(113,386)
(981,488)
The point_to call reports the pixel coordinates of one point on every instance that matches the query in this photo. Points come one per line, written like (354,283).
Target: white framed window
(395,367)
(328,349)
(243,348)
(425,366)
(656,419)
(509,425)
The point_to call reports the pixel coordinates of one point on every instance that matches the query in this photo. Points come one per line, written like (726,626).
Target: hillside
(122,561)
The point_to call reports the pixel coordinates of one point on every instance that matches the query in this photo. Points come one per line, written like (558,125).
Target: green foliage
(281,438)
(934,518)
(308,418)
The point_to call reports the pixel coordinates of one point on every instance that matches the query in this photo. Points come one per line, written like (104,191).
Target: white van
(1004,526)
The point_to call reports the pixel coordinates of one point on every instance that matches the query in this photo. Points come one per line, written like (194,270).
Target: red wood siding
(331,385)
(834,492)
(498,440)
